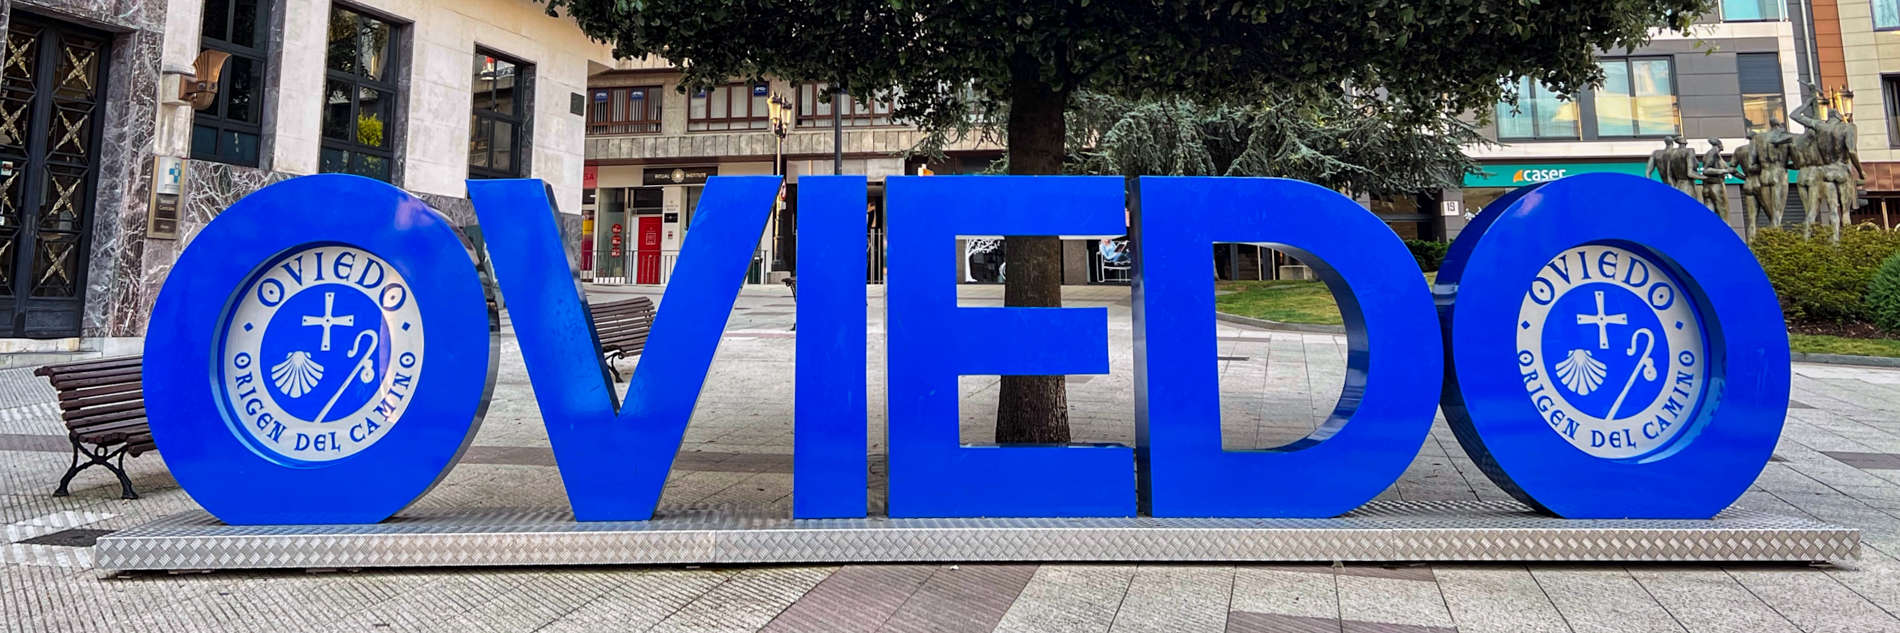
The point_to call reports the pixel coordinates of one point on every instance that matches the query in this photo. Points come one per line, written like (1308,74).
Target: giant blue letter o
(320,353)
(1615,351)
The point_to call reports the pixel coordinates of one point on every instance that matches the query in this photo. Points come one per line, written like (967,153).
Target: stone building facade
(1857,49)
(110,158)
(650,145)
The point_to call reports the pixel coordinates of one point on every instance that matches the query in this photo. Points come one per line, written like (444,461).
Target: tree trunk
(1033,409)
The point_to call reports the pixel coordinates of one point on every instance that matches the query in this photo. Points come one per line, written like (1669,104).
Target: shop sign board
(678,175)
(1601,345)
(1518,175)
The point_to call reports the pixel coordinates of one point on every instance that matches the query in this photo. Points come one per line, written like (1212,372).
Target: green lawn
(1309,302)
(1283,301)
(1824,344)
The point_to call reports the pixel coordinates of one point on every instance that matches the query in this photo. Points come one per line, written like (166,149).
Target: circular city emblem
(1611,352)
(320,353)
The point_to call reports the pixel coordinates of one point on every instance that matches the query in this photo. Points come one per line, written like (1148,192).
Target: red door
(646,262)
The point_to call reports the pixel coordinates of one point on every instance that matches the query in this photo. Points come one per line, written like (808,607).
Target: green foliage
(1430,254)
(955,62)
(1354,144)
(1819,282)
(1883,294)
(369,130)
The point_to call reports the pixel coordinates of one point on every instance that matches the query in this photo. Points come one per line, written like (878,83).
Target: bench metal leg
(608,360)
(125,483)
(71,470)
(101,456)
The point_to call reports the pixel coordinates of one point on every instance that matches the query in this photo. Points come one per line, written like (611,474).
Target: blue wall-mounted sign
(1602,345)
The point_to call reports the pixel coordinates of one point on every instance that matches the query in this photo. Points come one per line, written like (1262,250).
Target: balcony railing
(624,127)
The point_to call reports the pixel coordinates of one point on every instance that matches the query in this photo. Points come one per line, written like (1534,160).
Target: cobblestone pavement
(1839,460)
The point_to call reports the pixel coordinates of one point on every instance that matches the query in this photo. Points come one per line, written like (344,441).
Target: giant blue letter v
(614,462)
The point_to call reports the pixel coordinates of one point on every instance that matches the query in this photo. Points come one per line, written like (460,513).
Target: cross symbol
(329,304)
(1601,320)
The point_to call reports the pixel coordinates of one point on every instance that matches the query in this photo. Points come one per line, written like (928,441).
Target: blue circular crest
(1621,356)
(320,353)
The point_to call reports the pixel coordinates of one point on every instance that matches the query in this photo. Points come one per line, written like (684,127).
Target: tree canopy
(1353,144)
(951,57)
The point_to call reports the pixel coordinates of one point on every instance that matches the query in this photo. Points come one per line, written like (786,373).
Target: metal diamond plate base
(1381,531)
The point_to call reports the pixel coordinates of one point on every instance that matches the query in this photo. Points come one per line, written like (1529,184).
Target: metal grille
(1392,531)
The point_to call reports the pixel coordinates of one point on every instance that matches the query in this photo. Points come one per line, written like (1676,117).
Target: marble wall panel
(207,190)
(123,186)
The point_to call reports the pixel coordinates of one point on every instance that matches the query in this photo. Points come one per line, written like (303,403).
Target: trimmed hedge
(1819,282)
(1883,294)
(1429,254)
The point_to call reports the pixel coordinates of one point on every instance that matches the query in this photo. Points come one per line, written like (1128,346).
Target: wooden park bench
(622,327)
(104,410)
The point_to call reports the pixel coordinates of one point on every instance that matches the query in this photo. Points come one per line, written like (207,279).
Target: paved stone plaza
(1839,460)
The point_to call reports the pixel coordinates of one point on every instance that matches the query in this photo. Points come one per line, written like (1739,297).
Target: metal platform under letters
(1385,531)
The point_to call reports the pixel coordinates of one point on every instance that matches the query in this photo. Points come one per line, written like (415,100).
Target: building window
(854,112)
(1638,98)
(624,111)
(1762,101)
(729,107)
(359,96)
(1752,10)
(227,131)
(1890,92)
(1539,114)
(1886,14)
(500,118)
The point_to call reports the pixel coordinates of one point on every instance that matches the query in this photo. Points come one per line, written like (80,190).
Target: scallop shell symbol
(297,375)
(1581,372)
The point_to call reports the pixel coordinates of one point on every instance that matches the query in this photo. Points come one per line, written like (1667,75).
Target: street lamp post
(779,113)
(779,110)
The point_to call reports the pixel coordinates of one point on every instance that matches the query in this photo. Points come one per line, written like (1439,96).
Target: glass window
(1539,113)
(359,96)
(1886,14)
(814,110)
(226,130)
(1746,10)
(624,111)
(1762,101)
(728,107)
(500,114)
(1638,98)
(1890,90)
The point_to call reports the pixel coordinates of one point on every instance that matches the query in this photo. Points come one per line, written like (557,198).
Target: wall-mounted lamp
(201,89)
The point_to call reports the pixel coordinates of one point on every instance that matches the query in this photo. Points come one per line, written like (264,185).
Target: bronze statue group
(1824,158)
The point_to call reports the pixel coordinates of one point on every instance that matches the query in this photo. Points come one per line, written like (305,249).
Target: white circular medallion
(320,353)
(1610,351)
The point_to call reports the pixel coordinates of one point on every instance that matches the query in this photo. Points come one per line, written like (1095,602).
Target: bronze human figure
(1685,161)
(1712,174)
(1829,165)
(1771,153)
(1659,160)
(1751,171)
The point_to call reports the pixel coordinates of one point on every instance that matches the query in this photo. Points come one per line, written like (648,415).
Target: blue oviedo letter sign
(1602,346)
(321,353)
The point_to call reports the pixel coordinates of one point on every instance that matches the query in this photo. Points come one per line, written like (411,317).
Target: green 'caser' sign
(1520,174)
